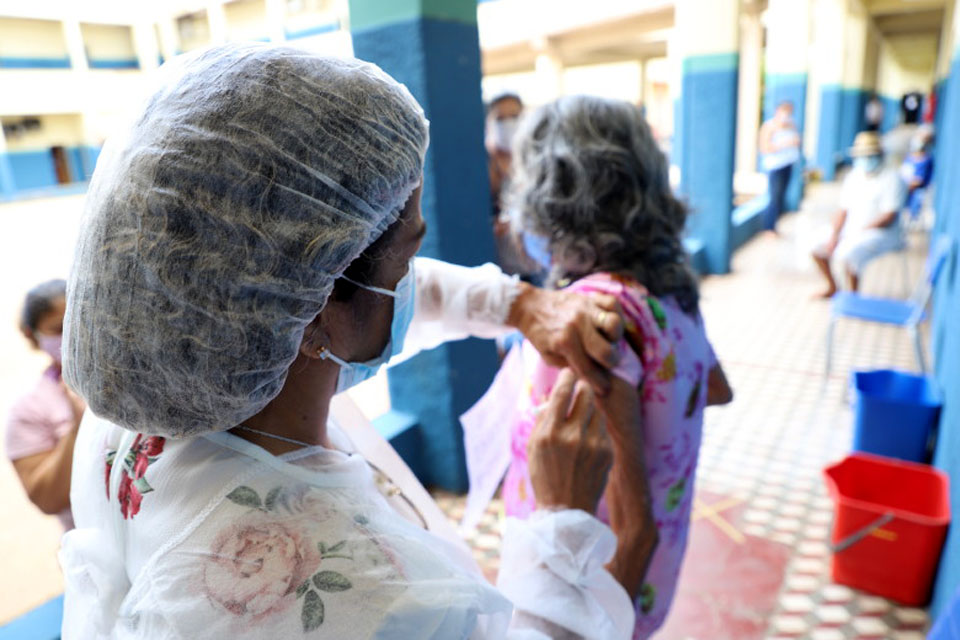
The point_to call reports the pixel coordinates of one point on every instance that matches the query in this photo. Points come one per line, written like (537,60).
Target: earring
(320,350)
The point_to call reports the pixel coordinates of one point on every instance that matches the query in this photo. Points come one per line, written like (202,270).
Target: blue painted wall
(7,185)
(828,135)
(946,337)
(791,87)
(311,31)
(10,62)
(706,140)
(891,112)
(852,116)
(114,63)
(28,170)
(841,118)
(32,169)
(439,62)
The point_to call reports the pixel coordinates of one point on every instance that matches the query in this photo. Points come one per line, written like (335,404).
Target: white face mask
(353,373)
(503,132)
(867,164)
(52,345)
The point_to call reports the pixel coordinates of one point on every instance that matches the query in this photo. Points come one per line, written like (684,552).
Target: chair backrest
(940,250)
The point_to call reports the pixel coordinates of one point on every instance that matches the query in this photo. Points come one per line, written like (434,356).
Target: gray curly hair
(589,178)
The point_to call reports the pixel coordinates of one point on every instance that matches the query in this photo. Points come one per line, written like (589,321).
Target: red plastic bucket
(890,522)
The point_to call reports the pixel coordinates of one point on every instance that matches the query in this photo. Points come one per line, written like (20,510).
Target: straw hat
(867,143)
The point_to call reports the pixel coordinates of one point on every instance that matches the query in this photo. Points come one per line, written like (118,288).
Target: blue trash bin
(894,413)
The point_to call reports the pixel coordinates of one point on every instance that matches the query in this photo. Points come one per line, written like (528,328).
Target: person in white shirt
(867,224)
(247,254)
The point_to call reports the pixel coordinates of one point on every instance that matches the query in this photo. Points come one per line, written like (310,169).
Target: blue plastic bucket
(894,413)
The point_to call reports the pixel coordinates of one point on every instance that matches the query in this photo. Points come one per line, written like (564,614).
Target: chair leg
(907,287)
(918,347)
(826,371)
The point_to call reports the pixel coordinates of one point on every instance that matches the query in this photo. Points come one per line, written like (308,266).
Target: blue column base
(828,134)
(439,61)
(707,139)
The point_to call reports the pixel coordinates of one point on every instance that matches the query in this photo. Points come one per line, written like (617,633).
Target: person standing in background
(503,118)
(780,148)
(42,426)
(873,113)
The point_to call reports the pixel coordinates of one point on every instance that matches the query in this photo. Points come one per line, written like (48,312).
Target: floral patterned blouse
(213,537)
(667,355)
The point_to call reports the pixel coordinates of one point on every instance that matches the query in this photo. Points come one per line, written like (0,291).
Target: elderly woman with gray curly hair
(591,191)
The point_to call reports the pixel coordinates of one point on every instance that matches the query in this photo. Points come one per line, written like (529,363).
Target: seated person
(590,180)
(42,425)
(868,223)
(917,170)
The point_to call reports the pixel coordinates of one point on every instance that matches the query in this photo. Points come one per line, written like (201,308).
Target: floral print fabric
(667,353)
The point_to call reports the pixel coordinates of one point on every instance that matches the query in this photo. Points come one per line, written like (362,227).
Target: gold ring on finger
(601,317)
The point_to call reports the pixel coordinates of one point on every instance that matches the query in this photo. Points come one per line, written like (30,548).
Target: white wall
(108,42)
(908,62)
(246,20)
(22,38)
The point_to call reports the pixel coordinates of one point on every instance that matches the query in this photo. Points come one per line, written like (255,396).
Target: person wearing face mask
(503,119)
(917,170)
(235,272)
(867,224)
(42,426)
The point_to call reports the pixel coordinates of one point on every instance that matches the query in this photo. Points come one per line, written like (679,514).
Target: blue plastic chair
(902,313)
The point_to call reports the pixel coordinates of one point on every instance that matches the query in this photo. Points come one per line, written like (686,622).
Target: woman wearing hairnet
(246,254)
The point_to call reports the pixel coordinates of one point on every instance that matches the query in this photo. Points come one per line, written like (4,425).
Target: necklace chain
(393,490)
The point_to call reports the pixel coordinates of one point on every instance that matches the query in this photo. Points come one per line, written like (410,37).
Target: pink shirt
(37,422)
(666,354)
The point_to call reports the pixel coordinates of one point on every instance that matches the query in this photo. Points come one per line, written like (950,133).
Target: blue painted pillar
(840,34)
(432,46)
(788,45)
(7,185)
(946,310)
(706,41)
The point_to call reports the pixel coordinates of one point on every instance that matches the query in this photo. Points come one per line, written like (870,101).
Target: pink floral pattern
(266,561)
(672,360)
(133,482)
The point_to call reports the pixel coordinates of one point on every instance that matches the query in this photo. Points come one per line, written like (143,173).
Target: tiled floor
(758,562)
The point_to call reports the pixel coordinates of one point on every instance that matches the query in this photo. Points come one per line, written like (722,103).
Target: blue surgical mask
(538,248)
(867,164)
(353,373)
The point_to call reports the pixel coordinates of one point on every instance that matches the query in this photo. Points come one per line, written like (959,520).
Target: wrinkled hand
(569,451)
(571,330)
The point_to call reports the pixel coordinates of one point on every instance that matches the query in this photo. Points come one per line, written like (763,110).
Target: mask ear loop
(386,292)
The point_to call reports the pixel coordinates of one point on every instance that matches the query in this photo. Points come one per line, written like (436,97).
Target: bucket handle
(857,536)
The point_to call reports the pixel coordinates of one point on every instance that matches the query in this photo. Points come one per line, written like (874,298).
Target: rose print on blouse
(133,482)
(265,562)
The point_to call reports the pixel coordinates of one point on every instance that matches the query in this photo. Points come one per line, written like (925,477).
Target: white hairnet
(215,227)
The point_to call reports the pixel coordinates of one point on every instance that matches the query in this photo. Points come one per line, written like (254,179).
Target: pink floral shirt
(666,353)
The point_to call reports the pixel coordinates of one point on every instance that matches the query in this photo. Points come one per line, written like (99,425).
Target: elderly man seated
(867,224)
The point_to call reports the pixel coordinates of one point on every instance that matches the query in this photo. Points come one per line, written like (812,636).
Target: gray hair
(215,228)
(589,178)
